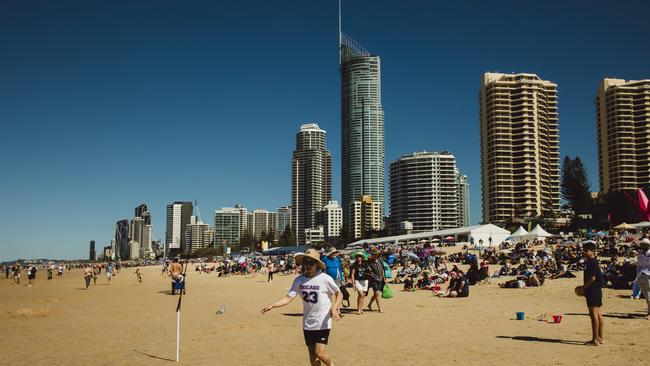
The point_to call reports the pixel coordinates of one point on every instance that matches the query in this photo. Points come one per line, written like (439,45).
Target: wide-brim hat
(332,251)
(313,254)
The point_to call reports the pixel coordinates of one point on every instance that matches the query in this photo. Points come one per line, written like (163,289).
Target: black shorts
(594,298)
(316,336)
(376,285)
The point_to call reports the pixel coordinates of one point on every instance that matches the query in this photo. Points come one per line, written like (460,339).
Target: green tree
(287,237)
(575,186)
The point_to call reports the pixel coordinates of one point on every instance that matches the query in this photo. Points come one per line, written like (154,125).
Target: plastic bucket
(520,315)
(557,318)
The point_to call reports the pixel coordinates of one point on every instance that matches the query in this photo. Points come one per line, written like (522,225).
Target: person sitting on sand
(458,286)
(408,284)
(424,283)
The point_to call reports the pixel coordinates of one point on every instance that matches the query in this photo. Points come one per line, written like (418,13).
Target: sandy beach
(61,322)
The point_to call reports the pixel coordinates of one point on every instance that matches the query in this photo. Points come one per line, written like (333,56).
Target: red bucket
(557,318)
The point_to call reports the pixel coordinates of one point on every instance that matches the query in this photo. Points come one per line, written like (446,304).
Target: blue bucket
(520,315)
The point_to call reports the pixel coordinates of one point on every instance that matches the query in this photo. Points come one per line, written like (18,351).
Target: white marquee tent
(518,234)
(538,233)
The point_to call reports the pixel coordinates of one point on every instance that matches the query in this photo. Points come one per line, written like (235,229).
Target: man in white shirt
(316,289)
(643,270)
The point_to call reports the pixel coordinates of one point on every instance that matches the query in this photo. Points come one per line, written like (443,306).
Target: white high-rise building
(425,189)
(261,221)
(197,236)
(178,217)
(283,219)
(463,200)
(331,218)
(227,226)
(243,219)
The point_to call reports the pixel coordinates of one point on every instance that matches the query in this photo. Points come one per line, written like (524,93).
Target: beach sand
(130,324)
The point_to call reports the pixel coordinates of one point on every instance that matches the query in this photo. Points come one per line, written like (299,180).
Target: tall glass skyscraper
(362,125)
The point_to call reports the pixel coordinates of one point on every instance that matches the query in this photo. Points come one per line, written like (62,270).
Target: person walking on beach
(88,273)
(643,270)
(50,269)
(138,274)
(592,290)
(360,280)
(316,289)
(109,272)
(7,269)
(16,269)
(377,280)
(270,267)
(95,274)
(31,275)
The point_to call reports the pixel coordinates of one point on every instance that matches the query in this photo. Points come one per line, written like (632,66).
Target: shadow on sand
(615,315)
(544,340)
(152,356)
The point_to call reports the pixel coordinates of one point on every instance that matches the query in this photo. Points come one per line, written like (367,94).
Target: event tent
(624,226)
(518,234)
(538,233)
(477,233)
(642,224)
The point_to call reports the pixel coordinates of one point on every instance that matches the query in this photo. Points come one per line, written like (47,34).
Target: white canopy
(536,234)
(518,234)
(642,224)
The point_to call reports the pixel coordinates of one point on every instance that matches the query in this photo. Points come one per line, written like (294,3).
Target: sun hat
(645,241)
(332,251)
(313,254)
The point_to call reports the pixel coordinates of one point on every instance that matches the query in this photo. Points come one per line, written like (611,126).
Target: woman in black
(592,289)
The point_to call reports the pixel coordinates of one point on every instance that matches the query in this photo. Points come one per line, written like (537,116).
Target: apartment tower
(311,178)
(519,147)
(623,125)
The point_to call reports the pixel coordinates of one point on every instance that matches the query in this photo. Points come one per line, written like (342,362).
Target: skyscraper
(122,248)
(362,124)
(366,216)
(178,217)
(93,254)
(520,154)
(463,199)
(623,124)
(283,219)
(227,227)
(311,178)
(261,221)
(424,190)
(331,219)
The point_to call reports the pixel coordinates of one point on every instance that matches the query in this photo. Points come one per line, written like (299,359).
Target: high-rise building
(122,247)
(331,219)
(227,227)
(243,219)
(366,216)
(178,217)
(93,254)
(134,250)
(311,178)
(143,211)
(147,239)
(520,154)
(261,222)
(136,230)
(362,125)
(197,236)
(314,235)
(283,219)
(424,190)
(623,125)
(463,200)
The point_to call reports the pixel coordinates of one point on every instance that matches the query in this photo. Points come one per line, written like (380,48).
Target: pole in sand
(178,312)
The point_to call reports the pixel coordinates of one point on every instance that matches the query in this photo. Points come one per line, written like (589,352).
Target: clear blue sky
(107,104)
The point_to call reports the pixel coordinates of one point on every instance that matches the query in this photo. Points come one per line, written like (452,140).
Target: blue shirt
(333,267)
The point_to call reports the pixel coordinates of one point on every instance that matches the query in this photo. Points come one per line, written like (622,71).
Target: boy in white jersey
(316,289)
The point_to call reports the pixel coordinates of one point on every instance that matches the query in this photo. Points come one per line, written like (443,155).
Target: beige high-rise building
(365,216)
(623,124)
(520,155)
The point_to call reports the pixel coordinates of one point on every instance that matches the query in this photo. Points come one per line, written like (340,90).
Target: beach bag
(387,271)
(387,293)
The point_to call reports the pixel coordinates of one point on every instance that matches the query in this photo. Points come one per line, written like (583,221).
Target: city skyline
(80,104)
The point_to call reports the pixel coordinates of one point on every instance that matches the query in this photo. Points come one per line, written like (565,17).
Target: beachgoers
(592,291)
(376,279)
(176,273)
(270,267)
(138,275)
(109,272)
(316,289)
(7,269)
(50,269)
(31,275)
(643,268)
(88,274)
(359,278)
(16,270)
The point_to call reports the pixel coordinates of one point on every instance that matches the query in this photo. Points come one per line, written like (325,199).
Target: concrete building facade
(623,125)
(520,154)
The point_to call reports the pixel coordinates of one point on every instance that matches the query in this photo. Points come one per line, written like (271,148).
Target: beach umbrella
(624,226)
(410,255)
(362,252)
(449,238)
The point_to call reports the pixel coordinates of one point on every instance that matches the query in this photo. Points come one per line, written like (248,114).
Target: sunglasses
(308,262)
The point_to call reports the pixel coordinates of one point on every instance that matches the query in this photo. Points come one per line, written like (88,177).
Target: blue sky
(107,104)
